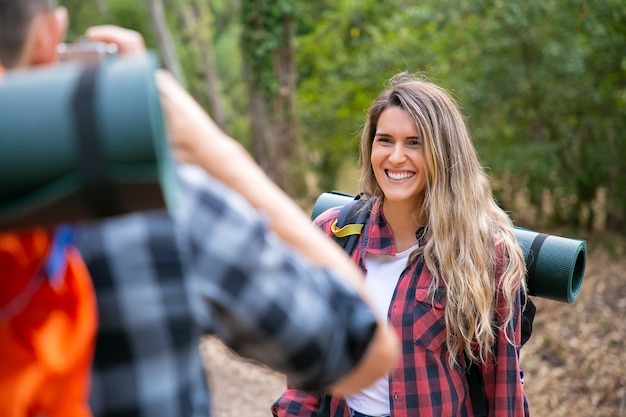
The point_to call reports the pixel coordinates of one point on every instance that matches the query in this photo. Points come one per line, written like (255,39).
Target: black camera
(86,51)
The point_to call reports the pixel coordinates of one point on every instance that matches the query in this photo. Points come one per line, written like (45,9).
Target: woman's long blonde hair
(465,229)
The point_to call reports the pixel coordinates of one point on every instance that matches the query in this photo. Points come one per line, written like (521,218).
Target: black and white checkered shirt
(216,269)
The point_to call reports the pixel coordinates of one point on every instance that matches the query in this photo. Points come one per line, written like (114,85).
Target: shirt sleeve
(295,403)
(262,299)
(502,378)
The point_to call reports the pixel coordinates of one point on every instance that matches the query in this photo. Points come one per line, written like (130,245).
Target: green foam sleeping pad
(555,265)
(80,142)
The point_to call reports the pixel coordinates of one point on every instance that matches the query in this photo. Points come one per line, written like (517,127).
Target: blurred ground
(240,388)
(575,362)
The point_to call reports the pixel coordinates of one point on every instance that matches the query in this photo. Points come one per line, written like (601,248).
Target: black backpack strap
(351,214)
(476,389)
(528,317)
(324,410)
(528,307)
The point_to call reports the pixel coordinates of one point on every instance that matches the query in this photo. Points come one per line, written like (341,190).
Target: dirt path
(240,388)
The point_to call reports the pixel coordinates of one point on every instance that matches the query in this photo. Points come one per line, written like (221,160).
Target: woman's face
(398,158)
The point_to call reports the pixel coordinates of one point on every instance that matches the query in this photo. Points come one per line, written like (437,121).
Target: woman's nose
(398,154)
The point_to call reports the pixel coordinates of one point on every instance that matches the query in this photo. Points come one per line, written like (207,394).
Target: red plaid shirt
(423,383)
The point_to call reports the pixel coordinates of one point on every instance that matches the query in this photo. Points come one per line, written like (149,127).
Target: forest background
(543,86)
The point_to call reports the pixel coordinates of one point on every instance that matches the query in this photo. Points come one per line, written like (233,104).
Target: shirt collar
(378,237)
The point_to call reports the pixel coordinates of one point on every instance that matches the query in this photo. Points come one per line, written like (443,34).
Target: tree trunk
(102,7)
(164,38)
(616,191)
(199,30)
(289,155)
(262,147)
(272,83)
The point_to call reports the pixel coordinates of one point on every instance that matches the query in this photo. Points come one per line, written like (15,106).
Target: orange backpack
(48,320)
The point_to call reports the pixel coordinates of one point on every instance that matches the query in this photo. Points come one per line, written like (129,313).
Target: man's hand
(129,42)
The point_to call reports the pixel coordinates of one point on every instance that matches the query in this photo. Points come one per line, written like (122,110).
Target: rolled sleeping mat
(80,142)
(555,265)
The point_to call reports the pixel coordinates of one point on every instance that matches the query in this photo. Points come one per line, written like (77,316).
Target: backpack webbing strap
(349,224)
(347,230)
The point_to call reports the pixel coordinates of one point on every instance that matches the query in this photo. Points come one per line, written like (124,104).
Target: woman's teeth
(400,175)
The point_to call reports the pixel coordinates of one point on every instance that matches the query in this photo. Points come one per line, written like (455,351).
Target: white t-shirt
(383,272)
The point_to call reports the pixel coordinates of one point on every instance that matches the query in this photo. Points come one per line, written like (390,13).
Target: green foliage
(539,65)
(264,34)
(132,14)
(229,62)
(129,14)
(542,82)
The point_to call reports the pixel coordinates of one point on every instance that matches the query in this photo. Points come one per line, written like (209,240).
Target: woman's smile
(399,175)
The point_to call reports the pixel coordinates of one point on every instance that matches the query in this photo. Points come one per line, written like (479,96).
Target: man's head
(30,31)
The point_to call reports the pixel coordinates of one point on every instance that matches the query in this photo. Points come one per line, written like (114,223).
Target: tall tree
(270,71)
(163,37)
(197,31)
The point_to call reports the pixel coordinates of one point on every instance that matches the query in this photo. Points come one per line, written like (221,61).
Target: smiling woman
(457,271)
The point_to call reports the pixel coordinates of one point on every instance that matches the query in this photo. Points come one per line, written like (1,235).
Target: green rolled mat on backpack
(555,265)
(80,142)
